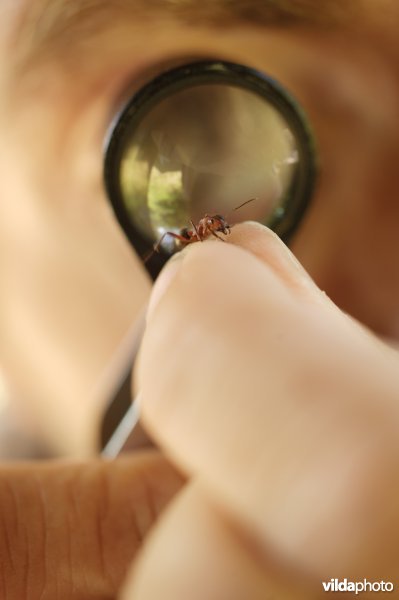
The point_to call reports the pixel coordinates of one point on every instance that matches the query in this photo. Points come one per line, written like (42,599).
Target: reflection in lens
(206,149)
(204,138)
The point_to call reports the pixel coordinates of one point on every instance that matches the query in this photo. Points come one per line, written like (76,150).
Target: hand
(70,531)
(282,411)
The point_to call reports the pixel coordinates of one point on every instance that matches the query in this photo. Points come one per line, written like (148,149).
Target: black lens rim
(195,74)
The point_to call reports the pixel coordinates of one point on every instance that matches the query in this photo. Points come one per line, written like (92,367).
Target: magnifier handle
(121,430)
(129,434)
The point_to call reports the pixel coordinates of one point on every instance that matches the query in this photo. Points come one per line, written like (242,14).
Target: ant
(208,225)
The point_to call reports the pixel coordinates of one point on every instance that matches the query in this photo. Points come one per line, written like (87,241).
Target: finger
(267,246)
(270,395)
(262,243)
(70,531)
(197,553)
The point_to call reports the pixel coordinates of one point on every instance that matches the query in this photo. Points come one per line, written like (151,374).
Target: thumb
(72,530)
(267,392)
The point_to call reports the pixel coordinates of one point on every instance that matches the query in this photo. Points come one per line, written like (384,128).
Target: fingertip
(266,245)
(207,263)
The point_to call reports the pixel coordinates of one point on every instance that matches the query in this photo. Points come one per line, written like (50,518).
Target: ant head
(220,224)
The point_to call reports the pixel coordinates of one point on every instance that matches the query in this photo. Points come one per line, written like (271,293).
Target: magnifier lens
(205,138)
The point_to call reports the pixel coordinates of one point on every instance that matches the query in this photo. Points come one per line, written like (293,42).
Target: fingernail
(266,244)
(163,281)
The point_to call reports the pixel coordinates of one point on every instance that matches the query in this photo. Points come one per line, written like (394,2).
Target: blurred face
(71,286)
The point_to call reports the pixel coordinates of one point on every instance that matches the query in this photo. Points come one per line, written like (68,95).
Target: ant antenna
(240,206)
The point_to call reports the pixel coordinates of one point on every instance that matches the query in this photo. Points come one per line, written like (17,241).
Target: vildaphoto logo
(358,587)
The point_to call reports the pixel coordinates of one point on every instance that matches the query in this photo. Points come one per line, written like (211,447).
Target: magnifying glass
(207,138)
(204,138)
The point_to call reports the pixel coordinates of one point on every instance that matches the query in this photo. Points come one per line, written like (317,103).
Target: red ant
(208,225)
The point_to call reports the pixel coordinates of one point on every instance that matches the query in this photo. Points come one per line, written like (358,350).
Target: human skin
(289,442)
(72,288)
(65,264)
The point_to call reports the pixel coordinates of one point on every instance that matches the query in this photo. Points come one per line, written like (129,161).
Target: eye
(205,137)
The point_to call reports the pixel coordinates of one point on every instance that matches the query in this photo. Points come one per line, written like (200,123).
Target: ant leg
(181,239)
(196,231)
(157,246)
(217,236)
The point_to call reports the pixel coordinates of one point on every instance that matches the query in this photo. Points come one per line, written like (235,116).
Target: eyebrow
(50,23)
